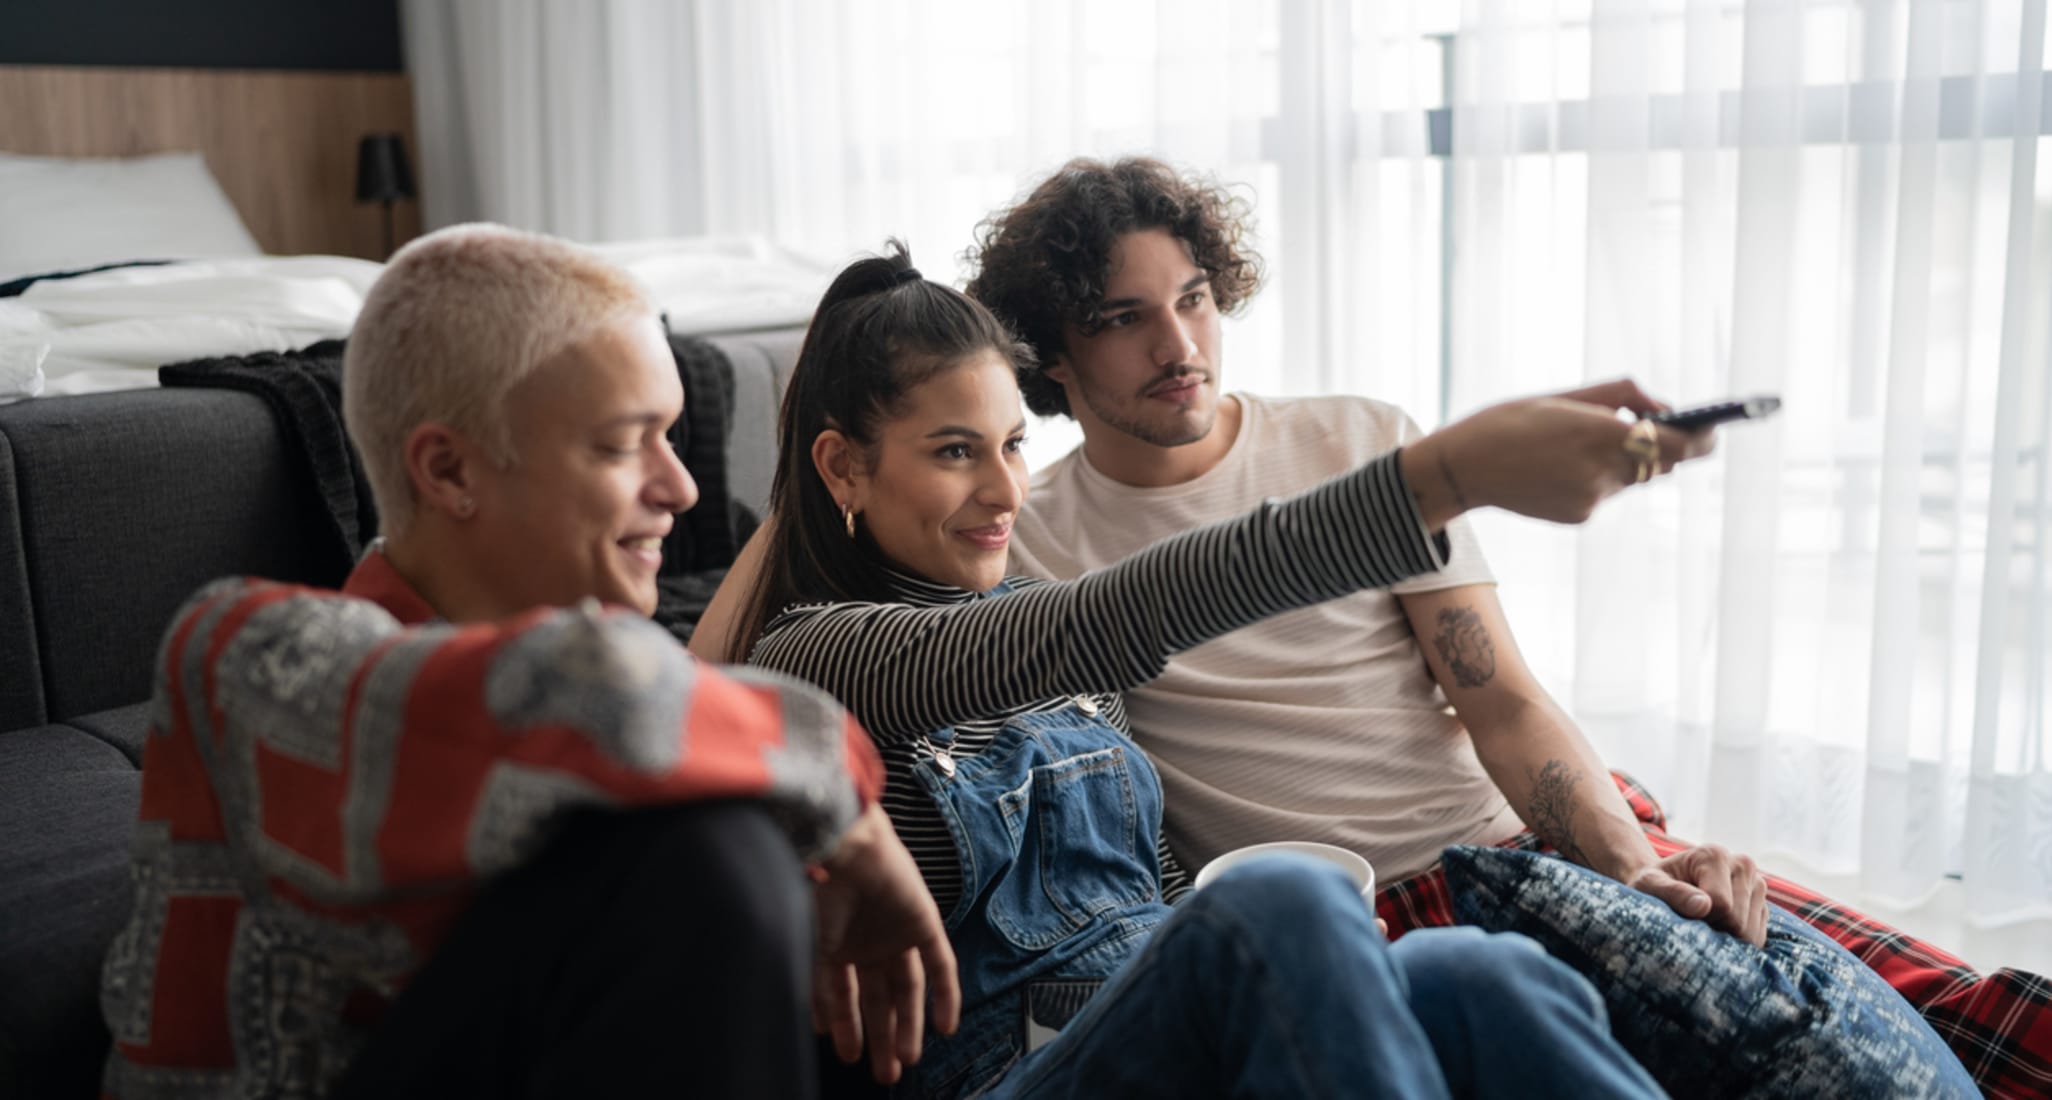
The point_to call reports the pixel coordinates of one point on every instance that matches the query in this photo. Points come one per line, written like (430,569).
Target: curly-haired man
(1392,722)
(1311,726)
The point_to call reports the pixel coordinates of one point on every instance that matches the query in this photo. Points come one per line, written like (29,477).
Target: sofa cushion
(129,503)
(67,809)
(762,364)
(1707,1014)
(123,727)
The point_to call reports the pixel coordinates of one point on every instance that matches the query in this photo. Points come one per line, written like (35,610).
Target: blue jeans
(1273,981)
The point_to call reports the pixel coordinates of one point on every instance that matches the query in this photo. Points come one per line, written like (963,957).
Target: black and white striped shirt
(939,657)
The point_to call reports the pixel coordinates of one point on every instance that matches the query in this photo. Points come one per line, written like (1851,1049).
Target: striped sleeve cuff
(1379,523)
(1438,545)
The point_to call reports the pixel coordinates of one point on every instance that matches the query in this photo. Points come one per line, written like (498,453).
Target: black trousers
(645,953)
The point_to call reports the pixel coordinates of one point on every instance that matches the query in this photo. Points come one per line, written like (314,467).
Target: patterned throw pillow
(1707,1014)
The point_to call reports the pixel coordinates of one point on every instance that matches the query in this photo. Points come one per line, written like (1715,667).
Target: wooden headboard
(283,144)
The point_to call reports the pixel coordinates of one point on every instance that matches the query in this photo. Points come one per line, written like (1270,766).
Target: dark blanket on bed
(304,391)
(711,533)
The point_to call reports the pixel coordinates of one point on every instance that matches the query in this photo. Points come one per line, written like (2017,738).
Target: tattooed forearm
(1464,645)
(1552,811)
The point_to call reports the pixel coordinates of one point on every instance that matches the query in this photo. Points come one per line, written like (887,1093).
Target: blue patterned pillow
(1709,1015)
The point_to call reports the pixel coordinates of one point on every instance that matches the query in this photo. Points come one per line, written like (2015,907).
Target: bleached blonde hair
(456,321)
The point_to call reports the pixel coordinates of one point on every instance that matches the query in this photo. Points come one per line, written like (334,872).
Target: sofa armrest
(128,503)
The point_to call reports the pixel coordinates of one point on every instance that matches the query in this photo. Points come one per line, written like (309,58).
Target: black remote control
(1704,416)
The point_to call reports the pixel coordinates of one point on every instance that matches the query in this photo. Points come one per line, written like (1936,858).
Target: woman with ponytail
(1087,965)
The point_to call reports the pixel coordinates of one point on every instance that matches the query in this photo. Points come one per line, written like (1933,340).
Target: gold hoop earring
(848,514)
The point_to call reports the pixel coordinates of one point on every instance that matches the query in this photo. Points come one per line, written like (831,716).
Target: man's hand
(1711,884)
(881,944)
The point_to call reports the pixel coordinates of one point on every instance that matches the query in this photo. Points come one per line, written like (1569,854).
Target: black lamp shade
(381,171)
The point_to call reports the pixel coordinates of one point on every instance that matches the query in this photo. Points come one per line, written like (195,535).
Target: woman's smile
(993,537)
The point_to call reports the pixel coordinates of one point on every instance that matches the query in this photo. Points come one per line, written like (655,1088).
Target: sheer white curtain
(1830,647)
(1829,644)
(830,126)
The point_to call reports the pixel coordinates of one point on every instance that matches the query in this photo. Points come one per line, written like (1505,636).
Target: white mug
(1356,867)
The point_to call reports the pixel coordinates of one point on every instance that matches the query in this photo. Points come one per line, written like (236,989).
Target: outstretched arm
(904,670)
(1551,774)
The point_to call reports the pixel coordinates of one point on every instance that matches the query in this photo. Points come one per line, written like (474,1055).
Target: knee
(1500,969)
(724,871)
(1301,895)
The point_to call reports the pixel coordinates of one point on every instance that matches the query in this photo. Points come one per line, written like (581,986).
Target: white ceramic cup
(1356,867)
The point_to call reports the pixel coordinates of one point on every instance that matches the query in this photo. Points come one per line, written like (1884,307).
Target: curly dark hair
(1043,263)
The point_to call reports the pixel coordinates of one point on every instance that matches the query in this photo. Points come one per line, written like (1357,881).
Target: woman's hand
(1553,458)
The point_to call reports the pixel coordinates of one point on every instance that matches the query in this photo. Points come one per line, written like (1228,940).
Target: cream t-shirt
(1319,724)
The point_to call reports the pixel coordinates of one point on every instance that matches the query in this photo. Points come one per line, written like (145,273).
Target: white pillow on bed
(65,213)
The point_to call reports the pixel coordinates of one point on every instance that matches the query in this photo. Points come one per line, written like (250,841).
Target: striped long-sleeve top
(936,657)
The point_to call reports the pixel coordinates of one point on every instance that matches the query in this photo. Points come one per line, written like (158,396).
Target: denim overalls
(1055,825)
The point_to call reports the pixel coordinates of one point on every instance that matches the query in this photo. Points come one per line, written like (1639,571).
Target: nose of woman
(1003,485)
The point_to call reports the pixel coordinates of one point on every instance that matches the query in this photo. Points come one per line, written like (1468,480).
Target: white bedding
(72,213)
(724,284)
(113,329)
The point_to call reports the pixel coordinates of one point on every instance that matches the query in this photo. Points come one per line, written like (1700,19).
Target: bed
(97,327)
(154,216)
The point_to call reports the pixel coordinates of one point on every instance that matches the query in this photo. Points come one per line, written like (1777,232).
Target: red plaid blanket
(2000,1024)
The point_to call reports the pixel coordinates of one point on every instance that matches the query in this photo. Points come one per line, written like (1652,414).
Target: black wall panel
(210,34)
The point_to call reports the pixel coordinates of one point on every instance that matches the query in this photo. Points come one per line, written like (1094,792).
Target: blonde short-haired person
(474,825)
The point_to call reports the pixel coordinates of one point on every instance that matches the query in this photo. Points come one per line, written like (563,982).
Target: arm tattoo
(1553,806)
(1465,646)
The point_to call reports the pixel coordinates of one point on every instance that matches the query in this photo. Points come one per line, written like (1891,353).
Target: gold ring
(1642,444)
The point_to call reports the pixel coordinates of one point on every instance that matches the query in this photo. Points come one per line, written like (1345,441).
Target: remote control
(1704,416)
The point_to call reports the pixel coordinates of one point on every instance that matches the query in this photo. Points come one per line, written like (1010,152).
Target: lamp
(382,175)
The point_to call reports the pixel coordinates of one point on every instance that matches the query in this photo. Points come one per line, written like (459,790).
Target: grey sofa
(113,509)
